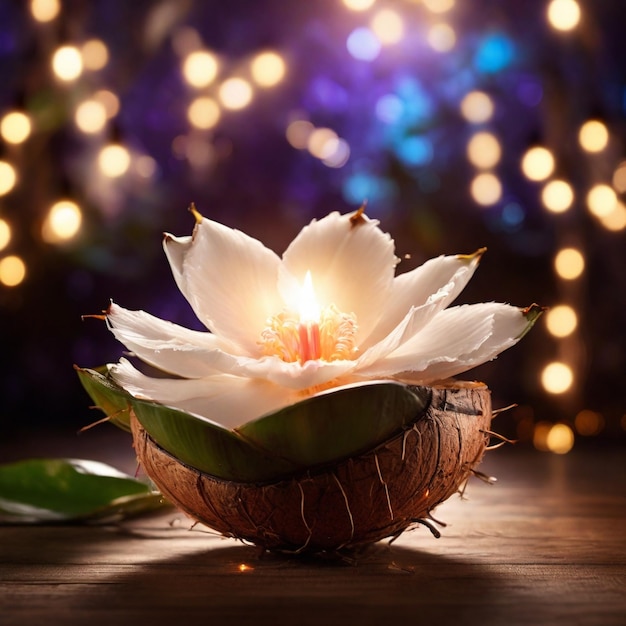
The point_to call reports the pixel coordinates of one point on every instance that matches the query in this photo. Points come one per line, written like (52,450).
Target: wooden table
(545,545)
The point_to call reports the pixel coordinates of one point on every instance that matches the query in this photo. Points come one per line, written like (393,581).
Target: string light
(268,69)
(358,5)
(569,263)
(557,196)
(44,10)
(441,37)
(67,63)
(200,68)
(477,107)
(62,222)
(486,189)
(557,377)
(5,234)
(235,93)
(561,320)
(8,177)
(204,112)
(95,54)
(563,15)
(90,116)
(114,160)
(388,27)
(483,150)
(15,127)
(537,163)
(601,200)
(12,271)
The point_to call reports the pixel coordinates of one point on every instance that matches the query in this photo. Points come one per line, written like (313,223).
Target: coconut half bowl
(341,469)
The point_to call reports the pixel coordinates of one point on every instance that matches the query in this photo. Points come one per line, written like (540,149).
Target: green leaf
(64,490)
(339,423)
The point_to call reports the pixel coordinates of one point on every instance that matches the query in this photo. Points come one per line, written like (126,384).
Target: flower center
(314,333)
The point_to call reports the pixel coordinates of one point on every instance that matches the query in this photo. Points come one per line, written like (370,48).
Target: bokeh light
(388,27)
(619,177)
(67,63)
(90,116)
(45,10)
(235,93)
(15,127)
(95,54)
(203,112)
(358,5)
(62,222)
(561,320)
(537,163)
(593,136)
(560,439)
(477,107)
(439,6)
(557,196)
(5,234)
(8,177)
(200,68)
(601,200)
(441,37)
(589,423)
(298,133)
(363,44)
(483,150)
(557,377)
(322,142)
(486,189)
(569,263)
(114,160)
(109,101)
(12,270)
(615,221)
(268,69)
(563,15)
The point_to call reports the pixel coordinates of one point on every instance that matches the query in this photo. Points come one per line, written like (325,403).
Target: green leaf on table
(71,490)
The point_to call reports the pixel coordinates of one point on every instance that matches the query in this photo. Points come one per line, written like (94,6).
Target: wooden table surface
(545,545)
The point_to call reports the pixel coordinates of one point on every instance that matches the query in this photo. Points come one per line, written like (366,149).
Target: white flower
(278,335)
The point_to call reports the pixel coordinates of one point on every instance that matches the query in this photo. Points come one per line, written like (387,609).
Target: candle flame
(309,307)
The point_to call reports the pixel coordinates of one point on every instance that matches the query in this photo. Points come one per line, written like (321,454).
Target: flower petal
(165,345)
(351,262)
(413,288)
(230,280)
(227,400)
(456,340)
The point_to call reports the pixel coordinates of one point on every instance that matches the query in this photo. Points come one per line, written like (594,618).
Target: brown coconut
(354,501)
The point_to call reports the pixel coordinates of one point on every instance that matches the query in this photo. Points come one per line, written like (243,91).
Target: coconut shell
(354,501)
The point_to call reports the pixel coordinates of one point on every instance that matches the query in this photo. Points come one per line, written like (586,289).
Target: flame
(309,307)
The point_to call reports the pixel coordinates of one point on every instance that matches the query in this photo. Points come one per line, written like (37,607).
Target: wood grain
(545,545)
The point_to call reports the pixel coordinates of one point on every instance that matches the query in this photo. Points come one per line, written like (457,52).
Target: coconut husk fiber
(377,494)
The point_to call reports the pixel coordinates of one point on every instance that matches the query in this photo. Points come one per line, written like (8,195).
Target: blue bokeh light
(362,44)
(415,150)
(495,53)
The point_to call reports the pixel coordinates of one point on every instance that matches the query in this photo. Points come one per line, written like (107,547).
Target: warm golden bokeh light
(15,127)
(601,200)
(322,142)
(593,136)
(200,68)
(12,271)
(557,377)
(486,189)
(563,14)
(67,63)
(619,177)
(204,113)
(441,37)
(616,220)
(90,116)
(483,150)
(358,5)
(561,320)
(5,234)
(298,133)
(589,423)
(560,439)
(388,27)
(537,163)
(439,6)
(569,263)
(95,54)
(8,177)
(235,93)
(109,101)
(557,196)
(114,160)
(268,69)
(477,107)
(62,222)
(44,10)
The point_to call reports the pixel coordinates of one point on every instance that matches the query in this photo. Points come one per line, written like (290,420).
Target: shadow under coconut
(238,583)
